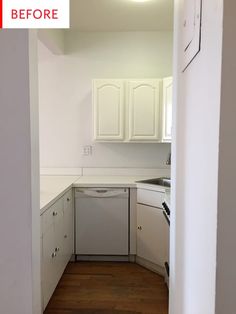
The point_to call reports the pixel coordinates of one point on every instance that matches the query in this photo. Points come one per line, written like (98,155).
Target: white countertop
(108,181)
(53,187)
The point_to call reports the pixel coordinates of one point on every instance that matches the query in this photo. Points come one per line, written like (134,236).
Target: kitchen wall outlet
(87,150)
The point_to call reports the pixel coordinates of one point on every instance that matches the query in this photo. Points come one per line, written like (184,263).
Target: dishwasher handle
(101,193)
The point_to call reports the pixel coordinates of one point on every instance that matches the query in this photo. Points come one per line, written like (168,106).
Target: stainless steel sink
(158,181)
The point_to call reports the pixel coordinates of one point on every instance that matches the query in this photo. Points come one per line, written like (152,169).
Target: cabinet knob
(54,254)
(68,199)
(54,213)
(57,249)
(139,227)
(65,236)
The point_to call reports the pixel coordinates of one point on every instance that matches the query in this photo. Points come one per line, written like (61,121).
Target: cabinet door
(151,242)
(49,278)
(57,248)
(68,235)
(59,238)
(108,106)
(143,103)
(167,109)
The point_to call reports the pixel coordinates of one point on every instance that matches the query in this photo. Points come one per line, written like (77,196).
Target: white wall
(195,168)
(226,245)
(53,39)
(19,175)
(35,171)
(66,101)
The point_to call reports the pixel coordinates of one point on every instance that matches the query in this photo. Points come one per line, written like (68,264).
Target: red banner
(1,13)
(34,14)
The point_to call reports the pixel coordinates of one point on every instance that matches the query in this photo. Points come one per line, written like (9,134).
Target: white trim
(103,258)
(126,172)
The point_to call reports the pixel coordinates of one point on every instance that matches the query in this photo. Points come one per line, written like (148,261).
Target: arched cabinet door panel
(108,106)
(143,110)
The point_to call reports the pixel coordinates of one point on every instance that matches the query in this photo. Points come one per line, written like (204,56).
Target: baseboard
(73,258)
(132,258)
(151,266)
(102,258)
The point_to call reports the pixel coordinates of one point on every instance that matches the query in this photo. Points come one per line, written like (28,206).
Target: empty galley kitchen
(113,199)
(105,109)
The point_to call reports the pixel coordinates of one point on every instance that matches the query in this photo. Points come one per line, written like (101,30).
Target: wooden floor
(98,287)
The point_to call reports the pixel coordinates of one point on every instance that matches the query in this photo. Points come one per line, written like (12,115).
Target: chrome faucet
(168,161)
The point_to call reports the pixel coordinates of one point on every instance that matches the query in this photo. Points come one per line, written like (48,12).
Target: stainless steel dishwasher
(102,221)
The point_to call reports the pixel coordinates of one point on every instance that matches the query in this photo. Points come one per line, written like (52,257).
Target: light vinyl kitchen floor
(105,287)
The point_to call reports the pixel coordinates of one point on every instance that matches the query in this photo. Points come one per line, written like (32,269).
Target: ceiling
(121,15)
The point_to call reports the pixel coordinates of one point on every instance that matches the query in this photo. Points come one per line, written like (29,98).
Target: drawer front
(151,198)
(51,214)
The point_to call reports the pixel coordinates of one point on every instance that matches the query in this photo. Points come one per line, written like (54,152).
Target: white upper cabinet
(126,110)
(143,104)
(108,106)
(167,100)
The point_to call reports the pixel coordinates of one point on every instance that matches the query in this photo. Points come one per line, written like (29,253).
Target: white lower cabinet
(57,243)
(151,233)
(57,236)
(49,280)
(150,242)
(68,234)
